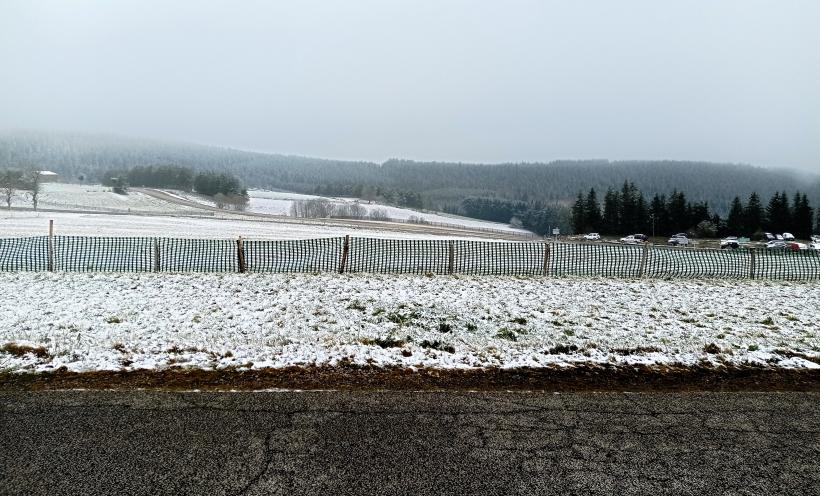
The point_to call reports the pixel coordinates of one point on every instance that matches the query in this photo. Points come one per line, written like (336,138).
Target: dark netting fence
(790,265)
(302,255)
(24,253)
(398,256)
(491,258)
(83,254)
(197,255)
(699,263)
(401,256)
(596,260)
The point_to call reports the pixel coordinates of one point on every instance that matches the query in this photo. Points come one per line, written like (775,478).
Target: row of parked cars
(783,241)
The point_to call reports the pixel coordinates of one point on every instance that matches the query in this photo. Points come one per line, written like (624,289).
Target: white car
(776,245)
(788,237)
(730,242)
(679,239)
(592,237)
(630,240)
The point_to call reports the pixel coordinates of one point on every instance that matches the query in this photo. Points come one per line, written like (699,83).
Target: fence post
(240,254)
(450,257)
(157,262)
(51,245)
(752,264)
(644,256)
(546,258)
(345,250)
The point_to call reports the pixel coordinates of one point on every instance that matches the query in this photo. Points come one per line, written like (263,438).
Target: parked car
(679,239)
(776,245)
(788,237)
(641,237)
(631,240)
(792,245)
(815,239)
(592,237)
(769,236)
(730,242)
(815,245)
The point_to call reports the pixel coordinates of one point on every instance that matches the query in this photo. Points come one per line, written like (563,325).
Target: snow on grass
(134,321)
(28,223)
(62,196)
(280,202)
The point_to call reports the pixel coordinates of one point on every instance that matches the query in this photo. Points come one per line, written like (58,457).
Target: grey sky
(465,80)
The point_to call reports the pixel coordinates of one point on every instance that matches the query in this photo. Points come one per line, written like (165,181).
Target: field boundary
(400,256)
(350,377)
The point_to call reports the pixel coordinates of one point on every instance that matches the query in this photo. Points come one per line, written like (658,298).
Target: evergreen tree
(735,221)
(641,214)
(579,218)
(592,209)
(659,216)
(611,221)
(802,217)
(778,213)
(754,215)
(678,212)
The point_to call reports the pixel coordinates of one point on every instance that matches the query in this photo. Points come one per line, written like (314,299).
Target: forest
(537,195)
(627,211)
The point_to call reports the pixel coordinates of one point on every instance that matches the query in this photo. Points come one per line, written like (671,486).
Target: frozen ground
(96,197)
(28,223)
(279,203)
(129,321)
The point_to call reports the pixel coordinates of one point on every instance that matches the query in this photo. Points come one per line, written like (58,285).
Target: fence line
(400,256)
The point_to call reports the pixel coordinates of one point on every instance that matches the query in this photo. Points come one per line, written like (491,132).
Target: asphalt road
(336,443)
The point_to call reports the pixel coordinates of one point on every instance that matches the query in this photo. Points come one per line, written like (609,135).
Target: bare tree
(32,182)
(9,182)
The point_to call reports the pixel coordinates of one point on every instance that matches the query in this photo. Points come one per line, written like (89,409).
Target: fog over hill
(441,184)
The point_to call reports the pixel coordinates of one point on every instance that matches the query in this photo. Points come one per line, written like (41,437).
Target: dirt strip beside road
(591,378)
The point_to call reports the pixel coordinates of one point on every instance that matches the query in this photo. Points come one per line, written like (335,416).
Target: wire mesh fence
(401,256)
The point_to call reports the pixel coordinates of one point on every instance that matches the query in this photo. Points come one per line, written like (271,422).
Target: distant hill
(441,185)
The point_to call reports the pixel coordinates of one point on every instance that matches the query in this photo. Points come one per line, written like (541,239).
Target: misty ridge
(440,186)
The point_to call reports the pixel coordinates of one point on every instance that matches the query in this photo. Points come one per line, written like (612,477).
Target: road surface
(336,443)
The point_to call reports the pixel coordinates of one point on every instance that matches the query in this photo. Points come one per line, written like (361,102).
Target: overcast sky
(479,81)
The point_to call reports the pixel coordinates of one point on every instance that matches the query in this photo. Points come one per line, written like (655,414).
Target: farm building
(48,176)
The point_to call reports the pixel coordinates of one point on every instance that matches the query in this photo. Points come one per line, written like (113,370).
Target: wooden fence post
(644,256)
(240,254)
(51,245)
(546,258)
(752,264)
(450,256)
(157,262)
(345,250)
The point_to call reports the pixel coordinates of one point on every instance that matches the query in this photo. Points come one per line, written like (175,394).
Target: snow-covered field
(26,223)
(129,321)
(62,196)
(279,203)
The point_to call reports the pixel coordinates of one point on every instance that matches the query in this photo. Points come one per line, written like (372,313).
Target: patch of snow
(155,321)
(29,223)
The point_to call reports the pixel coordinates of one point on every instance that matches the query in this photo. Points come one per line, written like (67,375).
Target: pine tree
(778,213)
(593,211)
(579,218)
(802,217)
(735,222)
(611,221)
(754,215)
(659,216)
(678,212)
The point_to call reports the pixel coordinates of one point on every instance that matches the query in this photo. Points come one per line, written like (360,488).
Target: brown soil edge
(587,378)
